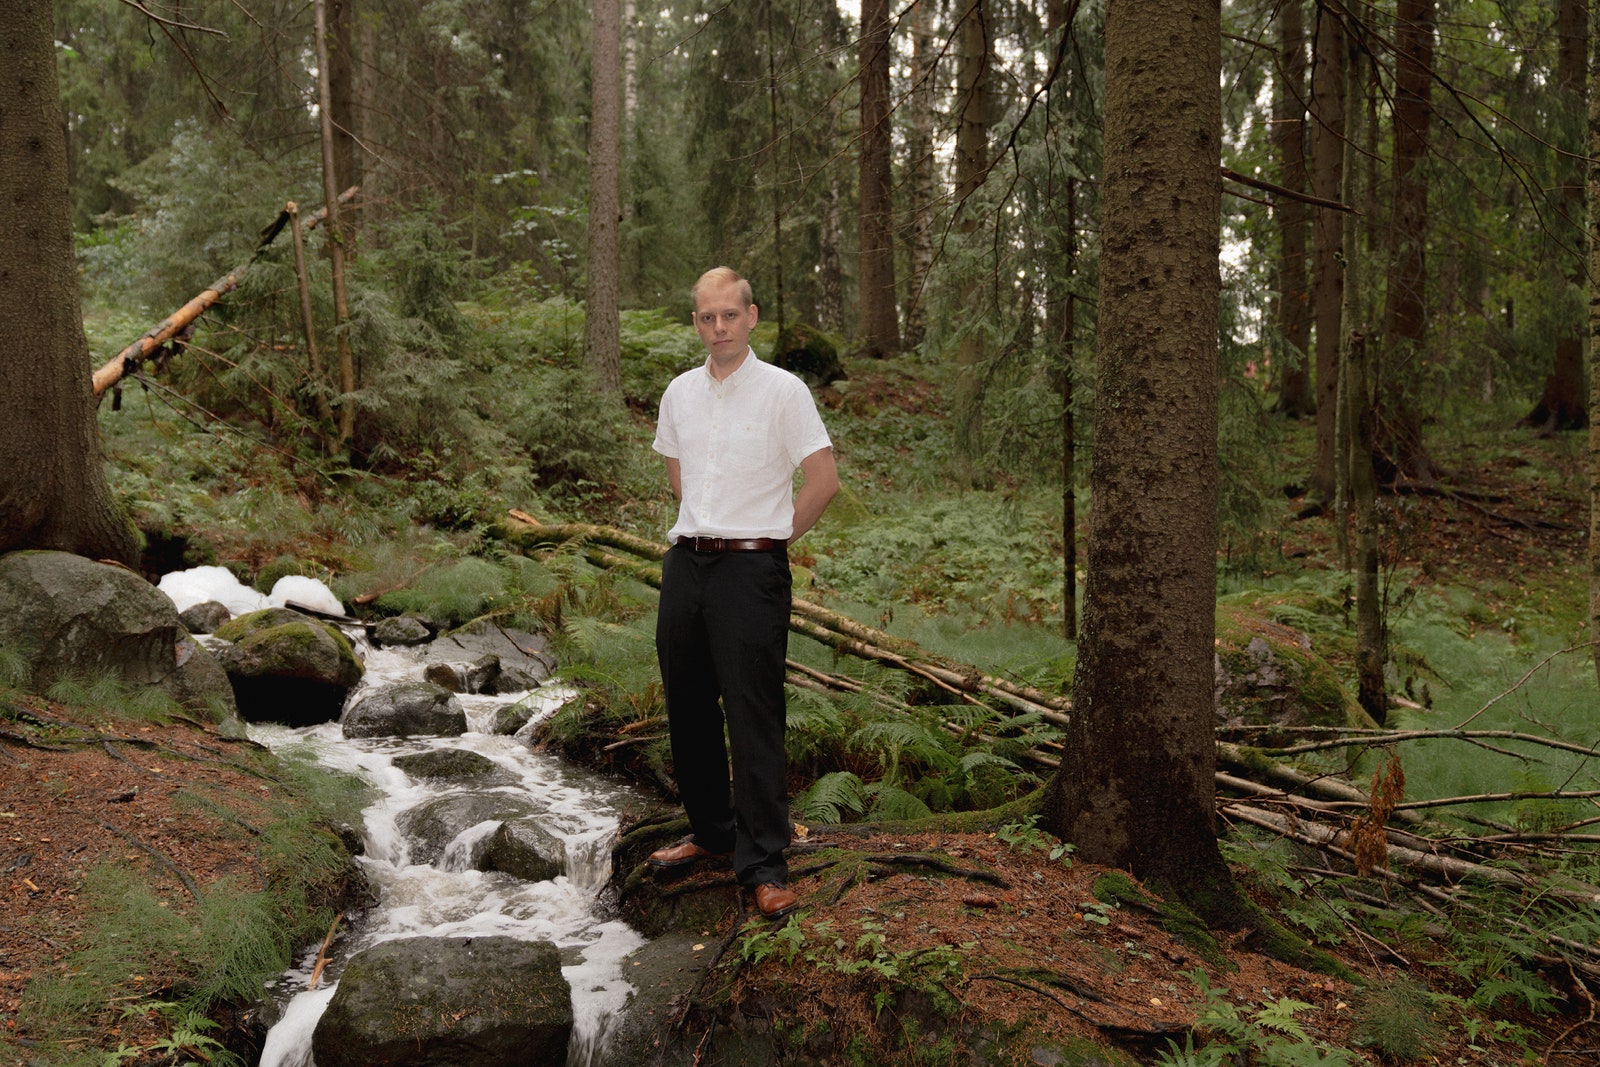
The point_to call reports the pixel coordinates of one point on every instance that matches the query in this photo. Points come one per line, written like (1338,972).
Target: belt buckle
(709,544)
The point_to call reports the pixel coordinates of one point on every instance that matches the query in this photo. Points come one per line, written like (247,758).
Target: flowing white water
(448,900)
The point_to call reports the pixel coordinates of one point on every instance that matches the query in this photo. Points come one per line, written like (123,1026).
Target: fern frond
(830,797)
(891,803)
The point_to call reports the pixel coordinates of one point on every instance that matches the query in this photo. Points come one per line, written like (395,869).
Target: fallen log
(811,620)
(129,359)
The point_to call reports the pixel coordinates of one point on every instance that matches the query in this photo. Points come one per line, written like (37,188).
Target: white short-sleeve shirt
(738,443)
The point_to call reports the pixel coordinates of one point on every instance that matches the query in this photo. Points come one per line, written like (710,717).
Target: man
(733,432)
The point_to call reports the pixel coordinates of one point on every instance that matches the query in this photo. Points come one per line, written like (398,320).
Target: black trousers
(722,635)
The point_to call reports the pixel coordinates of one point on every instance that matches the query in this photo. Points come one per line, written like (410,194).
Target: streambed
(446,898)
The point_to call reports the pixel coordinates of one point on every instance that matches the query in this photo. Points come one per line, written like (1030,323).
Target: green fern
(893,804)
(831,797)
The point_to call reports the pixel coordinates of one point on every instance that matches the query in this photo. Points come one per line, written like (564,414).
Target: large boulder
(1268,674)
(430,827)
(808,354)
(288,667)
(405,709)
(524,849)
(524,658)
(70,617)
(443,1002)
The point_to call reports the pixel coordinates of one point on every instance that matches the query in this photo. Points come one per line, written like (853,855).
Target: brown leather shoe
(776,899)
(684,853)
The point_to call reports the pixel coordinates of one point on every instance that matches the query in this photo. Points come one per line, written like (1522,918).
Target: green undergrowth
(145,948)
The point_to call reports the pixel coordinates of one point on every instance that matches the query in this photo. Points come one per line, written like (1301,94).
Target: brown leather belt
(732,544)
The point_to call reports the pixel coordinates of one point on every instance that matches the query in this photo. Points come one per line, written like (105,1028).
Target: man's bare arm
(675,476)
(821,483)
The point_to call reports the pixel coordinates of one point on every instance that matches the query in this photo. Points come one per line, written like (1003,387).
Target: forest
(1210,385)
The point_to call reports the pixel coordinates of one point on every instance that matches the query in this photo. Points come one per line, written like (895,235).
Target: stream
(446,899)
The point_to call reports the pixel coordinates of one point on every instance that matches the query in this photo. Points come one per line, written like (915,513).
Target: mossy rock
(282,567)
(454,765)
(287,667)
(809,354)
(1269,674)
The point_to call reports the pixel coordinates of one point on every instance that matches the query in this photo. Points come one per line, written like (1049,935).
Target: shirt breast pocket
(748,443)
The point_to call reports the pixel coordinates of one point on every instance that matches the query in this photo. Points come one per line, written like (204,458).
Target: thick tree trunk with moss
(53,492)
(1135,789)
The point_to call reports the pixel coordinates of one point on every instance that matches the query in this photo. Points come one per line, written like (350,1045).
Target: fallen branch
(1444,868)
(170,328)
(322,953)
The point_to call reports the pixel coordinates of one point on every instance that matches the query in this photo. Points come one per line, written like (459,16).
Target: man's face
(723,321)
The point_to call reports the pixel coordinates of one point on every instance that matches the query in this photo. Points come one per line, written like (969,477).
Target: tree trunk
(921,166)
(1060,330)
(1063,334)
(53,493)
(1293,312)
(972,162)
(1327,165)
(830,285)
(1135,789)
(602,330)
(878,323)
(1593,176)
(1370,644)
(342,94)
(1561,406)
(336,239)
(317,383)
(1405,322)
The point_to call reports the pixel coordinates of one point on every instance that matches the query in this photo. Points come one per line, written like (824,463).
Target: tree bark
(1593,182)
(921,167)
(602,323)
(342,93)
(336,238)
(1404,359)
(972,162)
(1371,646)
(1561,405)
(1060,331)
(1293,311)
(53,493)
(1327,271)
(1136,787)
(319,386)
(879,323)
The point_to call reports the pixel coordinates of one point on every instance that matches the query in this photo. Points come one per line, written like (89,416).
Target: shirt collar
(732,379)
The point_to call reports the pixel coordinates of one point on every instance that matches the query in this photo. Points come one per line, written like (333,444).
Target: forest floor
(77,790)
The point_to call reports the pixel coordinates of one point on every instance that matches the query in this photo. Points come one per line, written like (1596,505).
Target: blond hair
(722,276)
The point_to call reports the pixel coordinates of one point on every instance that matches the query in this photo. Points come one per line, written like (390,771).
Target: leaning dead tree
(1360,835)
(176,328)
